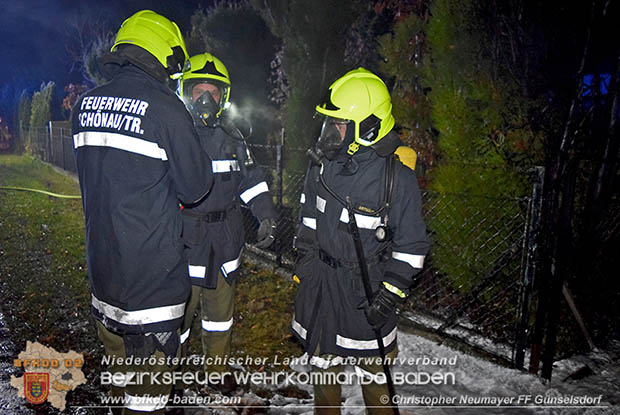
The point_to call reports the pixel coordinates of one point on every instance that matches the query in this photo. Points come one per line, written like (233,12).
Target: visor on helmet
(332,137)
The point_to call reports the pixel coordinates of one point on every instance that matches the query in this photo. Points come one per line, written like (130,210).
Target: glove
(381,307)
(266,233)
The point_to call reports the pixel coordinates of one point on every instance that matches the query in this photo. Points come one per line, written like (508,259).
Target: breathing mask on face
(206,108)
(333,136)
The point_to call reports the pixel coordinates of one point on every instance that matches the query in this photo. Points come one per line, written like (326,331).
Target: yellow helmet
(362,97)
(158,36)
(205,68)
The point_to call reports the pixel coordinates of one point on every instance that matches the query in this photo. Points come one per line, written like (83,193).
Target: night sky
(35,34)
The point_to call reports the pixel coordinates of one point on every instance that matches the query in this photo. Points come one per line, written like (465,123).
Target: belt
(381,256)
(215,216)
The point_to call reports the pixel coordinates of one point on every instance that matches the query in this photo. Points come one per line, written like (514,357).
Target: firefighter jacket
(213,229)
(137,154)
(328,306)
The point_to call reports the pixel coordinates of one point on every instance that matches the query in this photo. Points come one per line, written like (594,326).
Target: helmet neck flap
(111,62)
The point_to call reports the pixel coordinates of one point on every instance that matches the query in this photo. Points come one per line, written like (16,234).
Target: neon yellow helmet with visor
(362,98)
(205,68)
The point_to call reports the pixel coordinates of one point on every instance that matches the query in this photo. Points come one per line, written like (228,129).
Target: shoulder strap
(389,176)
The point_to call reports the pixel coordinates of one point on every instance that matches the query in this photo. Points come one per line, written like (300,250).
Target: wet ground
(9,402)
(44,294)
(12,343)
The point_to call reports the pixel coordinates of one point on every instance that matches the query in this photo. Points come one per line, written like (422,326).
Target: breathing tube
(382,232)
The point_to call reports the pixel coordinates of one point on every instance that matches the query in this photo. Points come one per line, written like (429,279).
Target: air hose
(26,189)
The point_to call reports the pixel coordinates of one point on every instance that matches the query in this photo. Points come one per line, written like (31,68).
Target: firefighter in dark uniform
(137,155)
(213,229)
(332,318)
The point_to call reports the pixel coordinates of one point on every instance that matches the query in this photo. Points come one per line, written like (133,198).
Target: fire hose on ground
(45,192)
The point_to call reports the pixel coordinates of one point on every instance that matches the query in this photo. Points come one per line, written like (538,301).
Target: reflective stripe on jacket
(137,154)
(213,229)
(328,310)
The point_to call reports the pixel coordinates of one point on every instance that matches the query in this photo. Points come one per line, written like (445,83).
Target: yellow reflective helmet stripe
(207,66)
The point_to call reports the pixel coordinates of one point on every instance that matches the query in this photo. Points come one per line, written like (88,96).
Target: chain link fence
(483,300)
(479,300)
(53,145)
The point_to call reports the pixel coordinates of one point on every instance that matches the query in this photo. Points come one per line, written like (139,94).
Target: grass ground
(42,268)
(43,278)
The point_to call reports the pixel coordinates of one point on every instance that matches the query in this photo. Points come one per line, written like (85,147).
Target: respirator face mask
(205,107)
(332,137)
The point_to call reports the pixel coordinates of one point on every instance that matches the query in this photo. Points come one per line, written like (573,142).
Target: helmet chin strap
(353,147)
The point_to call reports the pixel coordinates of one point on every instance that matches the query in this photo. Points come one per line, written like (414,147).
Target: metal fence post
(279,191)
(49,143)
(62,147)
(529,270)
(279,169)
(51,155)
(562,266)
(42,135)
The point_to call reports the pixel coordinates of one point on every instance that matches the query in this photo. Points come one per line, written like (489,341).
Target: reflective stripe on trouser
(145,398)
(188,320)
(327,397)
(216,312)
(217,309)
(187,330)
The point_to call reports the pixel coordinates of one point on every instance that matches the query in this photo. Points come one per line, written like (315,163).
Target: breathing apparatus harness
(382,232)
(233,130)
(226,123)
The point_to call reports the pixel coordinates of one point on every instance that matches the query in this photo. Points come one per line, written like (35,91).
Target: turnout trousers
(144,396)
(327,395)
(216,320)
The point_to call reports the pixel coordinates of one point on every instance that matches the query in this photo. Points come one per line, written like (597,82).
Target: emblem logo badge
(36,387)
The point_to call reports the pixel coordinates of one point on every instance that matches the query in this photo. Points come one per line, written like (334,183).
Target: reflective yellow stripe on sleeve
(394,290)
